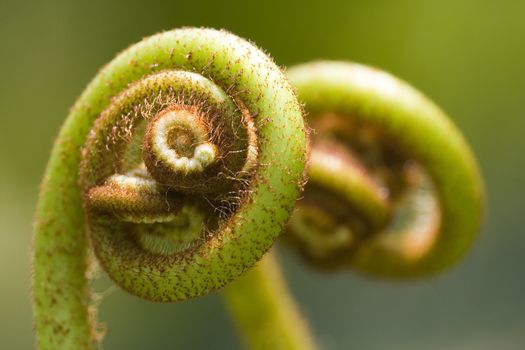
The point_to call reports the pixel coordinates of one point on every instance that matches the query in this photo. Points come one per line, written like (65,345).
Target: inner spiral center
(178,139)
(182,141)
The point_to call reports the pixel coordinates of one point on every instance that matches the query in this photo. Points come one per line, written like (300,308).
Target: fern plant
(181,163)
(393,190)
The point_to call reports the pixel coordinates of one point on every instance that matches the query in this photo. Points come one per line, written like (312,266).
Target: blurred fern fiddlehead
(183,158)
(393,188)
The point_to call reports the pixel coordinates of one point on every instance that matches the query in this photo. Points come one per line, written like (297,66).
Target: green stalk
(264,310)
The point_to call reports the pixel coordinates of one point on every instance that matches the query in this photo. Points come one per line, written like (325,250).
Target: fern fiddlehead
(393,188)
(183,158)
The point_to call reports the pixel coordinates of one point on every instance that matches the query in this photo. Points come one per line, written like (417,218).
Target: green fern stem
(265,313)
(179,165)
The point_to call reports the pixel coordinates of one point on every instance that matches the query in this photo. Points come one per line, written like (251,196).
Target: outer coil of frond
(389,147)
(222,252)
(262,173)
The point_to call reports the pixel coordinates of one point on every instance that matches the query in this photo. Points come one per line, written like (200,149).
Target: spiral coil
(183,160)
(393,189)
(189,148)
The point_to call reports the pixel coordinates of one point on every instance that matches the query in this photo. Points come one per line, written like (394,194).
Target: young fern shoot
(393,188)
(181,163)
(183,159)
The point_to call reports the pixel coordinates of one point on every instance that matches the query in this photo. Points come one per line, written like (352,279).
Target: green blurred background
(469,56)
